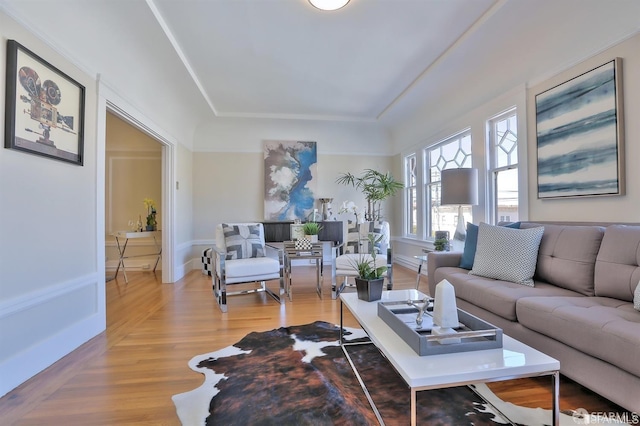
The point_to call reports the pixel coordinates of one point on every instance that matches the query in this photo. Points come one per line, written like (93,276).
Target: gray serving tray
(474,333)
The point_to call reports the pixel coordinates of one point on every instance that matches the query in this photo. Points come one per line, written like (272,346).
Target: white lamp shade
(328,4)
(459,187)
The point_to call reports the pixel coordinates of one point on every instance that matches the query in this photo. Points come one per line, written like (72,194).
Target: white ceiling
(372,61)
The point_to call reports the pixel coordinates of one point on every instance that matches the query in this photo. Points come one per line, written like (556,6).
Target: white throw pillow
(242,241)
(507,254)
(636,298)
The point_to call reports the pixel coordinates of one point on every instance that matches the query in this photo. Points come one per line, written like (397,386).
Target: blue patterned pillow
(507,254)
(242,241)
(471,242)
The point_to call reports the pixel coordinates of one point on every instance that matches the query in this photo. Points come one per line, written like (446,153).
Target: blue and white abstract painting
(290,169)
(577,136)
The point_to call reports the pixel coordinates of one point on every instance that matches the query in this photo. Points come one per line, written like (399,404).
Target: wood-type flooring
(127,374)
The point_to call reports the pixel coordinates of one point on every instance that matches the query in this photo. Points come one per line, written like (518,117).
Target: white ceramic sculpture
(445,312)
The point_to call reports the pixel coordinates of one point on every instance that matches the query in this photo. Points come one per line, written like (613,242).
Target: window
(411,206)
(454,152)
(503,167)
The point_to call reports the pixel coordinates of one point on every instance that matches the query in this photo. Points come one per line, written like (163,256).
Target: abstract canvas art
(289,179)
(579,135)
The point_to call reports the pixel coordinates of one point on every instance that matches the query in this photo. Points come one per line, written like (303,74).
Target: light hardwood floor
(127,375)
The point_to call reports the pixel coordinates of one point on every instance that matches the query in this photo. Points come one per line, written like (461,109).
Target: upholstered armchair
(241,256)
(357,247)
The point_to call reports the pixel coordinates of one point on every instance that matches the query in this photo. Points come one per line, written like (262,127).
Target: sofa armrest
(440,259)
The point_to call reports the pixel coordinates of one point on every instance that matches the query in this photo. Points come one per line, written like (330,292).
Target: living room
(52,263)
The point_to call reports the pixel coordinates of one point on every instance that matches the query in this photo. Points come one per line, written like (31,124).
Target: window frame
(492,169)
(429,184)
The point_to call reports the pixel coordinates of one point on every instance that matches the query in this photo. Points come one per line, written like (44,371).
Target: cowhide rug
(299,375)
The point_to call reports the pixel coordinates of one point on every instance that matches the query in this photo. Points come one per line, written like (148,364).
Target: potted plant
(375,186)
(441,244)
(370,279)
(151,214)
(311,231)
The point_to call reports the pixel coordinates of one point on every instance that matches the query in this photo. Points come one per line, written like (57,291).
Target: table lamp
(459,186)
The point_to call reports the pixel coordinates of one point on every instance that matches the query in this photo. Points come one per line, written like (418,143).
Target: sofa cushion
(243,270)
(616,270)
(636,298)
(507,254)
(242,241)
(567,255)
(498,297)
(606,328)
(471,243)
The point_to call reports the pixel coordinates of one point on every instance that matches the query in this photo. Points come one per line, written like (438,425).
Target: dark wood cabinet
(281,231)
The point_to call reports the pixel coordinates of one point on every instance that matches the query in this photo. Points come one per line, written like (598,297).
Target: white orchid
(350,207)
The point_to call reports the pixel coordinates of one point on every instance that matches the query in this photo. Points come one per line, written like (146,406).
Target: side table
(293,253)
(122,240)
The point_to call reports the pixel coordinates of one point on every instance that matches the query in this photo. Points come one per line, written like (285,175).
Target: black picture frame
(44,108)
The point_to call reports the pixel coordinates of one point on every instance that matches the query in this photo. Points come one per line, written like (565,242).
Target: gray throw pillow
(507,254)
(353,237)
(242,241)
(636,298)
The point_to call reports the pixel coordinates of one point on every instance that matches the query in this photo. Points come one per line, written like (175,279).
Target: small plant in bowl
(441,244)
(311,230)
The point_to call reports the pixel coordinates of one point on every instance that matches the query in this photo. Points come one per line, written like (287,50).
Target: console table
(122,240)
(277,232)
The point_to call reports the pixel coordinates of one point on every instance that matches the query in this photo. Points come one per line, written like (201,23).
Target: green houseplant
(376,187)
(311,230)
(150,205)
(440,244)
(370,279)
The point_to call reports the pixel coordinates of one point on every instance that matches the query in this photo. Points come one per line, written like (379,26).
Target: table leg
(419,273)
(288,279)
(555,379)
(318,279)
(155,242)
(121,251)
(413,408)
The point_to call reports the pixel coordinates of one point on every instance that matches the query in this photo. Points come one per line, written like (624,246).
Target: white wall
(183,186)
(333,137)
(52,220)
(418,132)
(230,187)
(52,292)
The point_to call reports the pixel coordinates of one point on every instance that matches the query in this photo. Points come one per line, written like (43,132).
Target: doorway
(133,187)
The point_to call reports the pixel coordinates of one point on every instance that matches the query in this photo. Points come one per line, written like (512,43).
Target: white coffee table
(513,361)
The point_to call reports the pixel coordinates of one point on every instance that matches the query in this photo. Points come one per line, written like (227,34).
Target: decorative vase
(312,238)
(369,290)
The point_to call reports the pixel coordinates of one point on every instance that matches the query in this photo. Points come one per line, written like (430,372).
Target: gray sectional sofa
(580,309)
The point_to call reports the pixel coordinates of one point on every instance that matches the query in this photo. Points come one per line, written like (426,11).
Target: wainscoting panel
(38,329)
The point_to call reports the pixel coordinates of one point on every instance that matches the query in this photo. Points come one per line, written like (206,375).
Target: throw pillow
(242,241)
(471,242)
(353,237)
(507,254)
(636,298)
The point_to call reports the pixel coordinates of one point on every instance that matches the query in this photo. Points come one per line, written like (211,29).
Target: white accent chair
(235,266)
(356,248)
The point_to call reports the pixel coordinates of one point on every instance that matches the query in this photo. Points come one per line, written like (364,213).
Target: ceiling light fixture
(328,4)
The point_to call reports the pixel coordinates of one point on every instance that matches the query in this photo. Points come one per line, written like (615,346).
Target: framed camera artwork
(44,109)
